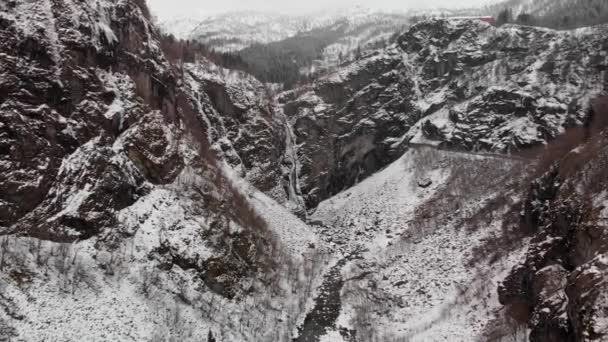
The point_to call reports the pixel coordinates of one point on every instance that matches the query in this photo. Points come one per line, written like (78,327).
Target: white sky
(171,8)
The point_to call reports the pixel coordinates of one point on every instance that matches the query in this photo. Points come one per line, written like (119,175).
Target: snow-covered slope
(181,27)
(363,32)
(83,291)
(533,7)
(416,268)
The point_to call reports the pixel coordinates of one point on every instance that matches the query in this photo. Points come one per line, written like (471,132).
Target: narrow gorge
(446,182)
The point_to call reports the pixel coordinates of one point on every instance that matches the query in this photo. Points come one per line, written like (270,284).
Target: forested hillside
(280,62)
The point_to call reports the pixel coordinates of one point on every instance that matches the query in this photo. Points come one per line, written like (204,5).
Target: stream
(328,304)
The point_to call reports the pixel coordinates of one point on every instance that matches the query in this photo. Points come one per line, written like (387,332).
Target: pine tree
(504,17)
(358,52)
(525,19)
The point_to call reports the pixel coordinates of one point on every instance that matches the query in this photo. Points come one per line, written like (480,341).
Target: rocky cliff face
(70,82)
(105,145)
(345,126)
(559,288)
(93,118)
(459,84)
(246,130)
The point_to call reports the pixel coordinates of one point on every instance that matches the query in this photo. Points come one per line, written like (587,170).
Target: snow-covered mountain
(457,84)
(181,26)
(448,187)
(237,30)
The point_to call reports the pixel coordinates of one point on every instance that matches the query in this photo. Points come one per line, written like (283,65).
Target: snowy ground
(85,292)
(418,279)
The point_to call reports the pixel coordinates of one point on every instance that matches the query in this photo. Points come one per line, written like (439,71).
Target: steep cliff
(246,130)
(559,287)
(462,85)
(115,199)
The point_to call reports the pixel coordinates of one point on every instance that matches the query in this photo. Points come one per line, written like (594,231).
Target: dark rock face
(462,85)
(153,146)
(93,121)
(559,289)
(347,124)
(245,130)
(67,93)
(90,186)
(504,89)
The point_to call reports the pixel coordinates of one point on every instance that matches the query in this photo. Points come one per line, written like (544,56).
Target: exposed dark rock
(92,184)
(475,87)
(66,96)
(559,288)
(425,182)
(431,131)
(153,146)
(246,130)
(93,119)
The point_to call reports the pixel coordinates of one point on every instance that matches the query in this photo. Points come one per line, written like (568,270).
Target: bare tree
(3,251)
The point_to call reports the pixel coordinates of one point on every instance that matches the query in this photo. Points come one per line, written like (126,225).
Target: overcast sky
(171,8)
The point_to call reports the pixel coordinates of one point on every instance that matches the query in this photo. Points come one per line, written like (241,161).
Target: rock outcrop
(559,288)
(346,125)
(245,129)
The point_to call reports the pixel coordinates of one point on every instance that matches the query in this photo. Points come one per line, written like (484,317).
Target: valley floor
(405,255)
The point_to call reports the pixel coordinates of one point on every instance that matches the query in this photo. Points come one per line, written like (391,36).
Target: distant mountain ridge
(559,14)
(235,31)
